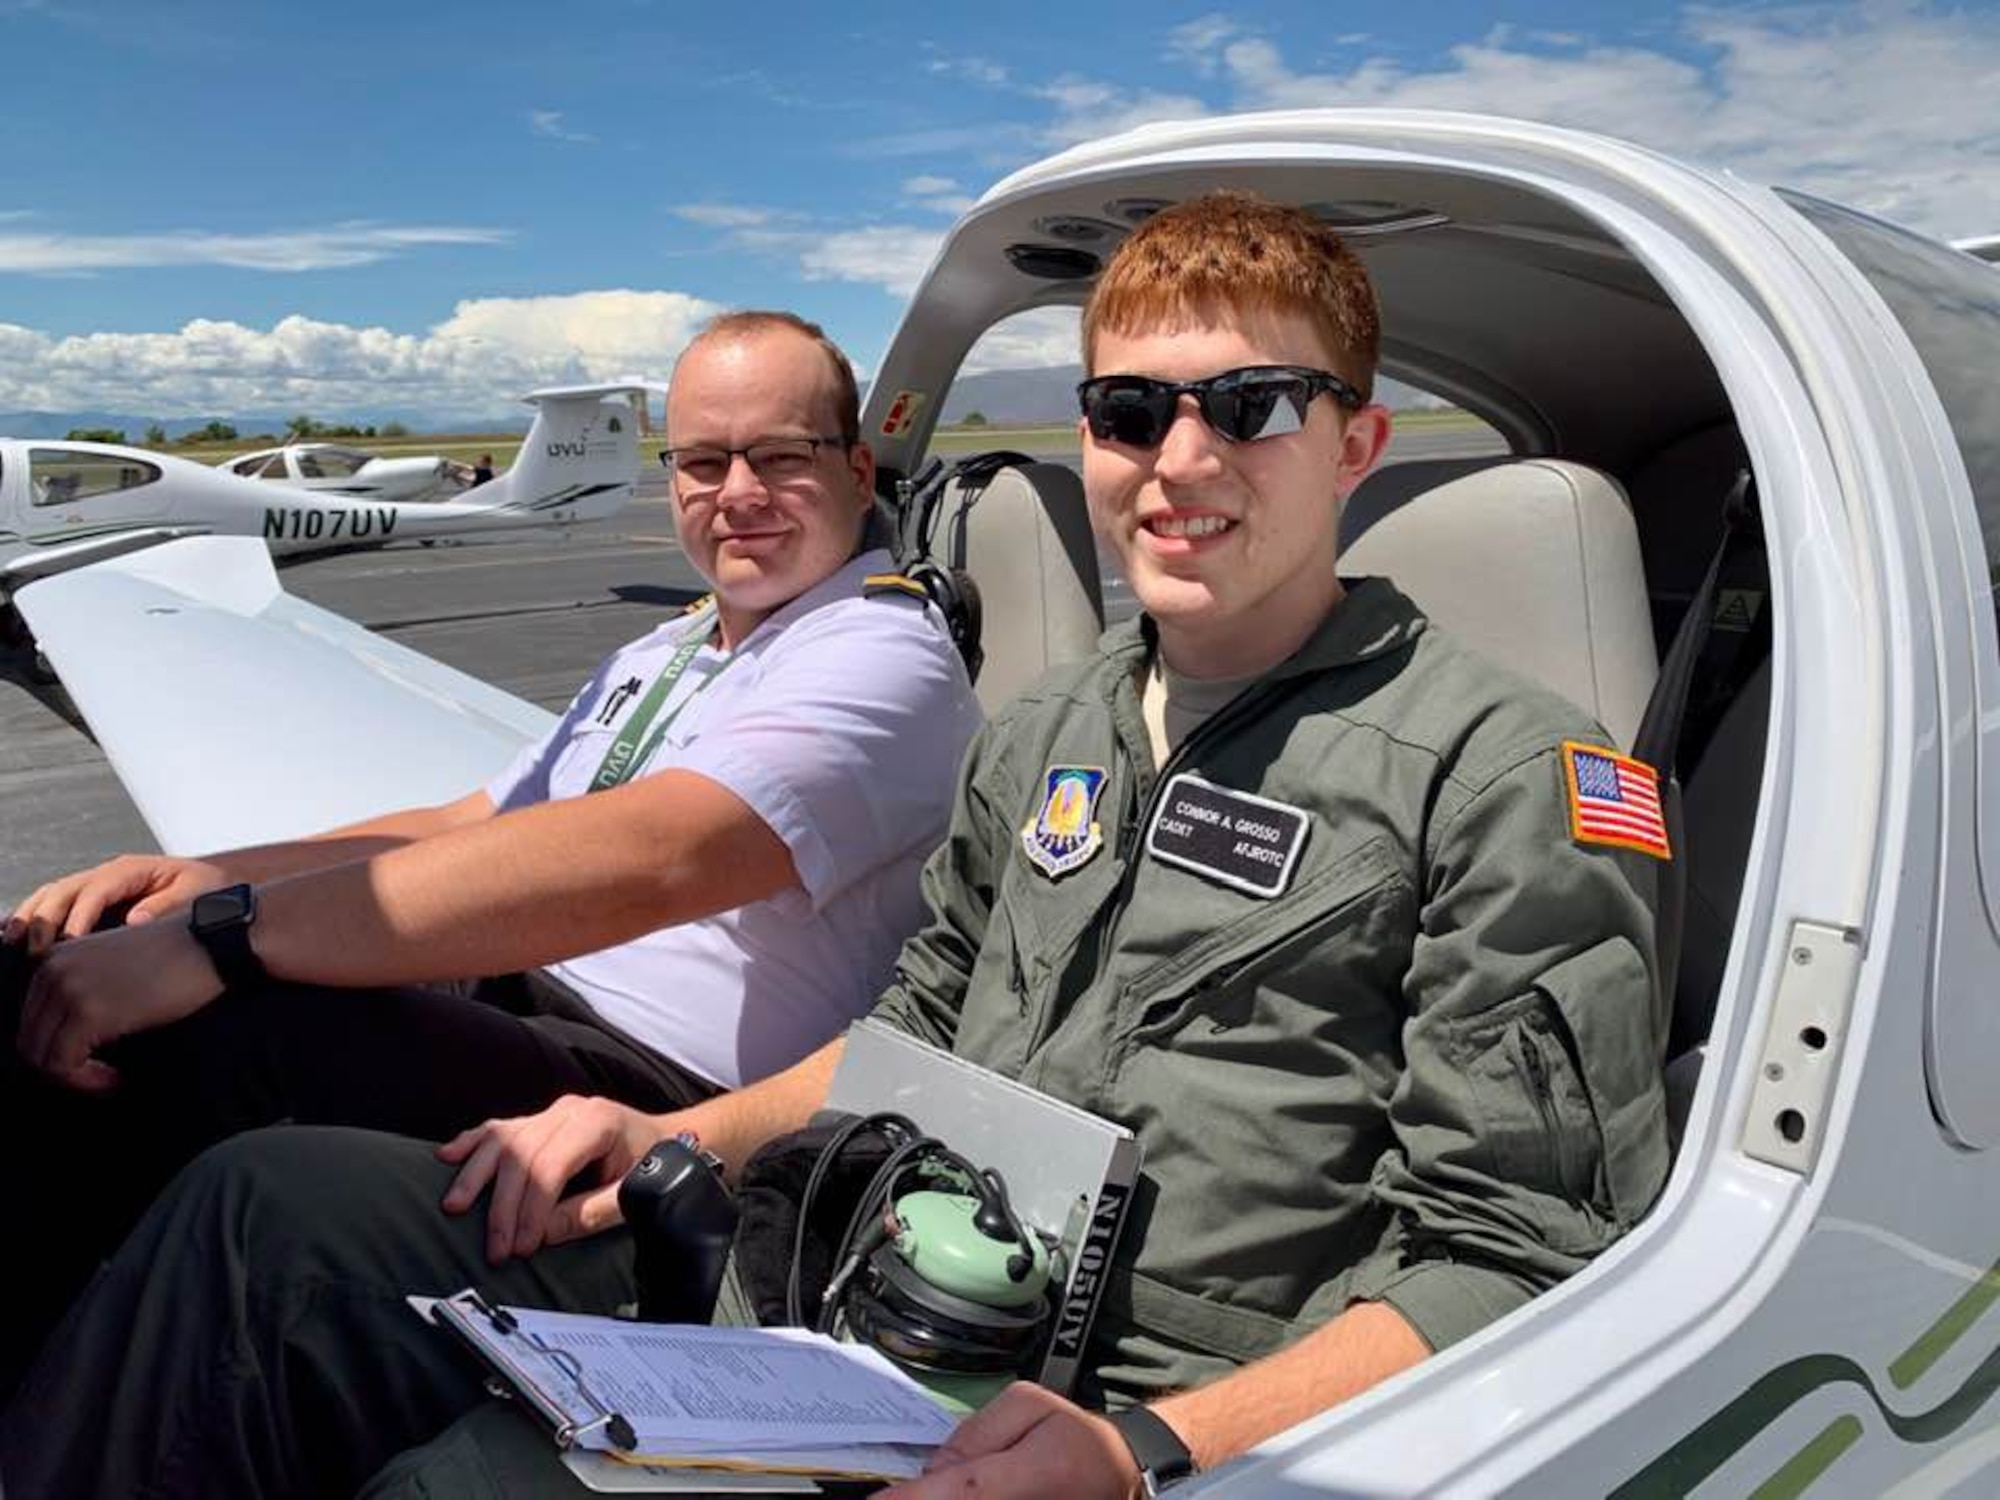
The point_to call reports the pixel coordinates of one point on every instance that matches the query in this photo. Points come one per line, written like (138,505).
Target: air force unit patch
(1065,834)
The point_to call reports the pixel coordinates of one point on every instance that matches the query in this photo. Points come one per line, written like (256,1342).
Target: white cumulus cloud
(893,257)
(486,354)
(1199,42)
(1885,104)
(1087,109)
(1032,340)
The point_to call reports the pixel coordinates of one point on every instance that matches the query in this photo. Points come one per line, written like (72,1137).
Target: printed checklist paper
(780,1399)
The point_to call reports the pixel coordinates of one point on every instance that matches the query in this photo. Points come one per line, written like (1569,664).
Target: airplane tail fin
(580,458)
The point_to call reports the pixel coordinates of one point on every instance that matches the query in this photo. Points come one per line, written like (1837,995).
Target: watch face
(215,909)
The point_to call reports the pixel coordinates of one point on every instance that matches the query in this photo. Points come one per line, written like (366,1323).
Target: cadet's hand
(75,904)
(1027,1442)
(94,990)
(530,1159)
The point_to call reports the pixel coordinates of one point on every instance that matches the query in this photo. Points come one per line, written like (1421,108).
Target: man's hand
(94,990)
(74,905)
(529,1160)
(1028,1442)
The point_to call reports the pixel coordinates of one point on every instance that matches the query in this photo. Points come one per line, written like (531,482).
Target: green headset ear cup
(894,1308)
(943,1244)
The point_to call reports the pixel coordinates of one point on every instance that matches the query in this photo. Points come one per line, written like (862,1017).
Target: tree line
(299,429)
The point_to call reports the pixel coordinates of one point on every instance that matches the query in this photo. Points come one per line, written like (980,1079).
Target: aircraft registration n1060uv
(1812,1307)
(64,504)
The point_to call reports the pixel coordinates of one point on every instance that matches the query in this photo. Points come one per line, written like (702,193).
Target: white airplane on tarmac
(331,468)
(65,504)
(1755,455)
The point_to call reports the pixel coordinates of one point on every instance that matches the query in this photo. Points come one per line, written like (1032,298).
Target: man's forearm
(508,893)
(1365,1345)
(352,841)
(735,1125)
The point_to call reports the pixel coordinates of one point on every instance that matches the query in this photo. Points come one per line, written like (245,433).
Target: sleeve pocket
(1599,1003)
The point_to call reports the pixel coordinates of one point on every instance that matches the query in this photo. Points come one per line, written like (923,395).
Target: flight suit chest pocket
(1011,1001)
(1285,943)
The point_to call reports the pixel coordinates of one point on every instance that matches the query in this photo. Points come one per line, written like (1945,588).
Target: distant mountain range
(1002,397)
(55,424)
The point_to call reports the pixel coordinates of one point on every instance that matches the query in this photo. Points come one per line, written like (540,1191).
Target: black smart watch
(1163,1459)
(221,922)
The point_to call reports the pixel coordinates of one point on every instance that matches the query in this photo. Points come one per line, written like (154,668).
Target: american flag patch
(1614,799)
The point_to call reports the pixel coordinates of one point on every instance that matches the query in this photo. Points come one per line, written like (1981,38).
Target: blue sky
(214,206)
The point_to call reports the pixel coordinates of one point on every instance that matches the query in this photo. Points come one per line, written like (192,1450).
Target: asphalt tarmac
(531,613)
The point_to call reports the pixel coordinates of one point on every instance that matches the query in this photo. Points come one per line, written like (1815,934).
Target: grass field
(1057,438)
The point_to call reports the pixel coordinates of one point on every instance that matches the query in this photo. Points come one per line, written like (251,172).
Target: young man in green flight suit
(1391,1043)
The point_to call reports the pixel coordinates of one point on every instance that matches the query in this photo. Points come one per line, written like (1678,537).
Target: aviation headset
(949,585)
(935,1268)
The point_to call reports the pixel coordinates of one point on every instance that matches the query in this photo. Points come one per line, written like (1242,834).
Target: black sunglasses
(1244,405)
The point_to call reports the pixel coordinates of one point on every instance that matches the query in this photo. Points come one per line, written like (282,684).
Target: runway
(531,614)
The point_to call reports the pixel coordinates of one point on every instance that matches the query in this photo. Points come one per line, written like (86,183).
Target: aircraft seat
(1534,562)
(1024,537)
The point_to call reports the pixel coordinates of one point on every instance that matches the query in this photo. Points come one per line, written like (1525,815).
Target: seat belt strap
(1658,744)
(1658,740)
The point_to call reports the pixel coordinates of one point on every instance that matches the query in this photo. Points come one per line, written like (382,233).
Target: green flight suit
(1426,1073)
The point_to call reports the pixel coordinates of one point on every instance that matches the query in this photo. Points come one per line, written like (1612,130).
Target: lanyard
(624,756)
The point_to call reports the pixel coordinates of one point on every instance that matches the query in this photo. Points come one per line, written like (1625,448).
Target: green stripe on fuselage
(1811,1461)
(1931,1344)
(1690,1462)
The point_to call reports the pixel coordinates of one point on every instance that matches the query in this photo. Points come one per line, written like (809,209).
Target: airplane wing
(45,562)
(236,714)
(1985,246)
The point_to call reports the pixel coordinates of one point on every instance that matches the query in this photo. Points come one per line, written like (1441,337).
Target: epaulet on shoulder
(875,585)
(696,606)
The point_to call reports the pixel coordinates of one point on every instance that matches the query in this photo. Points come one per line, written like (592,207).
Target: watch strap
(1163,1459)
(227,943)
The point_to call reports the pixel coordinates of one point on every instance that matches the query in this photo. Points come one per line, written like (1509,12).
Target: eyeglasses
(772,460)
(1259,401)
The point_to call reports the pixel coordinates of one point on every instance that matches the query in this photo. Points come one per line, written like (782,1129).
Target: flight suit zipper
(1245,705)
(1230,713)
(1124,847)
(1536,1067)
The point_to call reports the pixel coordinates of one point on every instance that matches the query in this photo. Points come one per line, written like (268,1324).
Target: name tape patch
(1246,842)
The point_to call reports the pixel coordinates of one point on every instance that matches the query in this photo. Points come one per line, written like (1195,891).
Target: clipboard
(520,1366)
(765,1402)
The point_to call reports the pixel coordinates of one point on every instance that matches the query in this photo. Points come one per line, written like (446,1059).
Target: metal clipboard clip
(568,1433)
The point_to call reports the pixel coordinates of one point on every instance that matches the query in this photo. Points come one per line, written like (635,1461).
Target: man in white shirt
(698,877)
